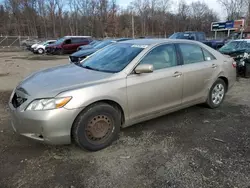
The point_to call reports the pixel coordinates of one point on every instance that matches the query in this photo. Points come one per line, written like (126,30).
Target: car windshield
(234,45)
(180,36)
(95,43)
(59,41)
(113,58)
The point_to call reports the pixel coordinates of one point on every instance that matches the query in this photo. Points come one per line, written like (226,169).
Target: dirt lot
(196,147)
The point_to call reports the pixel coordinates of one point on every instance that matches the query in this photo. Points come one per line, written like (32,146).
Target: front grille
(74,59)
(17,100)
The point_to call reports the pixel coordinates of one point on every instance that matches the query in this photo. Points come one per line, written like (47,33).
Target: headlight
(48,104)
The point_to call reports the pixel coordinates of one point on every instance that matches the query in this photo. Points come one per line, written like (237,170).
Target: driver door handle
(177,74)
(214,66)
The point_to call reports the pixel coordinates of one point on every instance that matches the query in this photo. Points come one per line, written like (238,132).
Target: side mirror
(144,68)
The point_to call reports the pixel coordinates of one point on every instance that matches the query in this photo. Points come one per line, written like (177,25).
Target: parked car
(67,44)
(40,48)
(82,54)
(29,42)
(198,36)
(34,46)
(121,85)
(239,50)
(90,45)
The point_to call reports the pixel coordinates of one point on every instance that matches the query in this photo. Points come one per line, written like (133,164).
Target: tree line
(104,18)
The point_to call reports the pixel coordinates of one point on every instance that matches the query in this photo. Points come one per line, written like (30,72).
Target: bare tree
(235,9)
(102,18)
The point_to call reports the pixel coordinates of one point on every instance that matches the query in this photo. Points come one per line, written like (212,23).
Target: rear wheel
(216,94)
(96,127)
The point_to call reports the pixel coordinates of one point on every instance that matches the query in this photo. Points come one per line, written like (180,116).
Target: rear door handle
(177,74)
(214,66)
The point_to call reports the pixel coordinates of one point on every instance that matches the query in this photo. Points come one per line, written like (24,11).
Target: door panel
(199,68)
(153,92)
(197,80)
(68,47)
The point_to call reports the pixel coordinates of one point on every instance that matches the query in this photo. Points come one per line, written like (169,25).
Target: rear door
(199,70)
(151,93)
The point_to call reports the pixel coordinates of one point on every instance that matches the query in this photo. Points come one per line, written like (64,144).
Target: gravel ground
(196,147)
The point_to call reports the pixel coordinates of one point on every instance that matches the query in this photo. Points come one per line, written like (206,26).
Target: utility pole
(133,26)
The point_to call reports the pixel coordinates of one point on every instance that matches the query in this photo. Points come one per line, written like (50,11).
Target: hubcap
(218,94)
(99,128)
(40,51)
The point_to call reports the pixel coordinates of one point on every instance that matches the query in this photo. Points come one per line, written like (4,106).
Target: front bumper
(50,126)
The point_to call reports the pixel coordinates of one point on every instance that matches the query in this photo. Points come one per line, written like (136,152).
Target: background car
(121,85)
(82,54)
(35,45)
(90,45)
(29,42)
(40,48)
(68,44)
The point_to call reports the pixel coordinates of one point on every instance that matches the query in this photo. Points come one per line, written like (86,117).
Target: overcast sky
(213,4)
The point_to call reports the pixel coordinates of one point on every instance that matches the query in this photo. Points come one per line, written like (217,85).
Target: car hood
(82,53)
(39,46)
(34,45)
(50,82)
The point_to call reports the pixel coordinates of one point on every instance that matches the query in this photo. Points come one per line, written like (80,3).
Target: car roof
(239,40)
(77,36)
(156,41)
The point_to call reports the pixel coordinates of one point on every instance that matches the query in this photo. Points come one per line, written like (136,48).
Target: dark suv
(67,44)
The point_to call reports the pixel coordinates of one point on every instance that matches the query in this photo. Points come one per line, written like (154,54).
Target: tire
(89,128)
(60,52)
(40,51)
(216,94)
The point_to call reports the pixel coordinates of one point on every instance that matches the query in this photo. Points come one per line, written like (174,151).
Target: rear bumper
(50,126)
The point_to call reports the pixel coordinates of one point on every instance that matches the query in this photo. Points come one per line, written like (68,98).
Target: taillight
(234,64)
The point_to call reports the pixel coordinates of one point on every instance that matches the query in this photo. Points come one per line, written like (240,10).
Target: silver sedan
(118,86)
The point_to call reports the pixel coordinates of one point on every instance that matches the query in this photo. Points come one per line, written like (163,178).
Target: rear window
(191,53)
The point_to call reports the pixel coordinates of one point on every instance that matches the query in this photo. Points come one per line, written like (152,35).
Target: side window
(68,41)
(76,40)
(208,56)
(84,40)
(161,57)
(191,53)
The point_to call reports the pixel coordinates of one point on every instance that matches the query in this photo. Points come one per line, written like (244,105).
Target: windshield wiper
(78,63)
(90,68)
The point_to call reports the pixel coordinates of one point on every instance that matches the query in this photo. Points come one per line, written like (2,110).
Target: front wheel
(40,51)
(216,94)
(96,127)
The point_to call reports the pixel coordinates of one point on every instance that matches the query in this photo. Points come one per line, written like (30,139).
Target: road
(194,148)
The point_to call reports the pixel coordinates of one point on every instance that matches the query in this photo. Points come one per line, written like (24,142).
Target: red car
(67,44)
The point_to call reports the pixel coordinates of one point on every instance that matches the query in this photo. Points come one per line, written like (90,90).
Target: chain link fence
(15,41)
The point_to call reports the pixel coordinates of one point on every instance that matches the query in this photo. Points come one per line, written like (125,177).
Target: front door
(160,90)
(199,68)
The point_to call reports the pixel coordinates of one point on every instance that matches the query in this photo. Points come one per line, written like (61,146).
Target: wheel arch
(225,80)
(112,103)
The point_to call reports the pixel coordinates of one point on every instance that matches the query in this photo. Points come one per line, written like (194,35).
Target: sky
(213,4)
